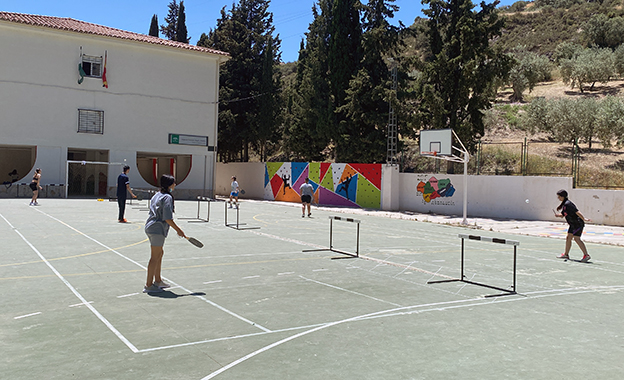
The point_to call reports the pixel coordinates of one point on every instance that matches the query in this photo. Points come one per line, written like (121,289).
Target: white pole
(465,221)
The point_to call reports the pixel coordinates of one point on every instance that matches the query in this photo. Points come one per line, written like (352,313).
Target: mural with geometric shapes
(350,185)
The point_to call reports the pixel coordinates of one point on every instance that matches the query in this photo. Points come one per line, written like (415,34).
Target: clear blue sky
(290,17)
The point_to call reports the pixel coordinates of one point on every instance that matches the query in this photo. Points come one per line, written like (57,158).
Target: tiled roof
(69,24)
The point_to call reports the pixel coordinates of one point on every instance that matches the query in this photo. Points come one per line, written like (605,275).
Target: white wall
(249,175)
(153,91)
(506,197)
(488,196)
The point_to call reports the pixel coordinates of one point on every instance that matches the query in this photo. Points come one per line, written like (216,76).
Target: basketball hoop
(434,153)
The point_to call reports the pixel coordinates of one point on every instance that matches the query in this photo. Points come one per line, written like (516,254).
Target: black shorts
(306,199)
(33,186)
(576,229)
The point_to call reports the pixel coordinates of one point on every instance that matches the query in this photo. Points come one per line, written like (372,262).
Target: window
(90,121)
(92,65)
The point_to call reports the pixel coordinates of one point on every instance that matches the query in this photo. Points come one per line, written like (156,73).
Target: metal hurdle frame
(150,194)
(507,292)
(331,239)
(238,224)
(197,219)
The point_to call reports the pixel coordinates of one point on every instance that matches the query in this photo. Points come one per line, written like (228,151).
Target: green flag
(81,72)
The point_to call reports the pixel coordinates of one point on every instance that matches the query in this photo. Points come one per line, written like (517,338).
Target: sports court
(252,305)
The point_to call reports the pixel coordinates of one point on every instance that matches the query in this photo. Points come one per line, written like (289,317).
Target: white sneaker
(162,285)
(152,289)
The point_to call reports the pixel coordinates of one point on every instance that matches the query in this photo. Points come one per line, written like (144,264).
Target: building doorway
(87,179)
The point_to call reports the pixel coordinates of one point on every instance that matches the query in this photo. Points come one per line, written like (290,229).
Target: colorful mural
(350,185)
(435,188)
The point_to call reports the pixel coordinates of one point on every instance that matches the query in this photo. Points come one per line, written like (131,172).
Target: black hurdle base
(238,223)
(198,219)
(506,292)
(348,255)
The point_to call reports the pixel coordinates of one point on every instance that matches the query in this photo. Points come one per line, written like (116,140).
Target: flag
(81,73)
(104,81)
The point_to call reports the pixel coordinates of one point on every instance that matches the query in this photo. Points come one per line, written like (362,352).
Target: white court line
(438,306)
(287,239)
(80,297)
(213,282)
(285,273)
(143,267)
(248,277)
(319,270)
(27,315)
(80,304)
(349,291)
(128,295)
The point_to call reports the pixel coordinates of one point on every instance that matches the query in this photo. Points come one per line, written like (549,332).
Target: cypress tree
(247,81)
(181,32)
(366,105)
(313,114)
(153,30)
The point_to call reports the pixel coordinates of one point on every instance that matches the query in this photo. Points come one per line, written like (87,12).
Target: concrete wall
(502,197)
(249,175)
(153,91)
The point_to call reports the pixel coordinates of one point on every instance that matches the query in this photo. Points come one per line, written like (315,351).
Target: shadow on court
(270,303)
(171,294)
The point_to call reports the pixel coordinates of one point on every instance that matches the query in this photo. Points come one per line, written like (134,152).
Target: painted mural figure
(345,186)
(286,178)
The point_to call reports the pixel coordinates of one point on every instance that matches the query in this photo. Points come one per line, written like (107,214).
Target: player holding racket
(35,187)
(576,220)
(157,227)
(234,192)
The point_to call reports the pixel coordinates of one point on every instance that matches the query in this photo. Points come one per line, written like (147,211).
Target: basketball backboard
(436,142)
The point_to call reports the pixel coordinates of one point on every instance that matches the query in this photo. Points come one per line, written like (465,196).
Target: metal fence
(534,158)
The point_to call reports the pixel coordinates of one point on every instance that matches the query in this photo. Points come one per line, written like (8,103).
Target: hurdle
(331,238)
(238,223)
(150,194)
(197,219)
(462,278)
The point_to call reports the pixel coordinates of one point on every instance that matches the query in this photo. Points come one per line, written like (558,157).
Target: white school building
(156,112)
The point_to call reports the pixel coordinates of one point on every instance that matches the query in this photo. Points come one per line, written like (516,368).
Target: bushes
(585,119)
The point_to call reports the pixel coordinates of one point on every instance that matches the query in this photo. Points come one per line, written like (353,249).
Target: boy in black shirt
(576,220)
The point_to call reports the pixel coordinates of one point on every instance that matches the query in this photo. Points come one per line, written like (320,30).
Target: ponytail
(165,183)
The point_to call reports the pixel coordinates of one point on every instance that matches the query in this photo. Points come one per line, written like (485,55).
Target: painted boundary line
(144,268)
(73,290)
(134,349)
(438,306)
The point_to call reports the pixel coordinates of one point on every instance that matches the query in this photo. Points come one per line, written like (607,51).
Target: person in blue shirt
(576,220)
(123,186)
(157,228)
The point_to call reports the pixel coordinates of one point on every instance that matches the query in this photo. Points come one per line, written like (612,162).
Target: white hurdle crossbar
(462,278)
(198,219)
(238,223)
(331,238)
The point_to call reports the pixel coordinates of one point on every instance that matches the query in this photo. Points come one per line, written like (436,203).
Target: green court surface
(252,304)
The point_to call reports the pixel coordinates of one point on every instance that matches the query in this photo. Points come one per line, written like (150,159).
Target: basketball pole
(464,159)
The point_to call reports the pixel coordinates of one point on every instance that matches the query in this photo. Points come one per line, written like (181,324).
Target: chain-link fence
(589,168)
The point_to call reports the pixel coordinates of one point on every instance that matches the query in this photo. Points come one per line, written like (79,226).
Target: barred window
(92,65)
(90,121)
